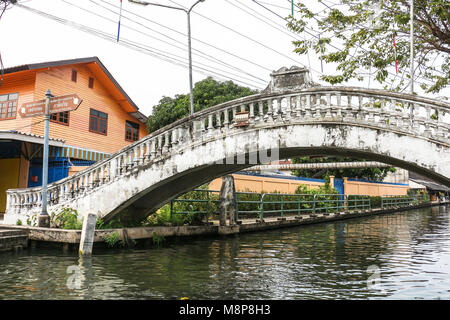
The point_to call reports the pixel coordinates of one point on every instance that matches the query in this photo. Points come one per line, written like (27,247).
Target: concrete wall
(75,169)
(374,189)
(289,185)
(259,184)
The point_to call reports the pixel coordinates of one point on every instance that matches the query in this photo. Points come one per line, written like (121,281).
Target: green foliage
(19,222)
(32,221)
(374,174)
(425,197)
(189,212)
(158,240)
(207,93)
(99,224)
(115,223)
(326,197)
(362,33)
(112,239)
(375,202)
(66,218)
(251,209)
(249,204)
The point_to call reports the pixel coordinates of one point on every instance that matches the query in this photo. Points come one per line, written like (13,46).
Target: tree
(207,93)
(374,174)
(4,5)
(364,32)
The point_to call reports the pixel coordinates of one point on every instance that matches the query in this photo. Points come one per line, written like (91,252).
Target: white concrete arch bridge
(293,117)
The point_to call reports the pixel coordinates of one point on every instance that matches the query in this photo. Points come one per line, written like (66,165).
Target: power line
(133,45)
(201,53)
(275,26)
(193,38)
(243,35)
(260,81)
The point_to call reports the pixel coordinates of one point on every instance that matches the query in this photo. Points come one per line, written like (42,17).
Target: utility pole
(44,218)
(188,12)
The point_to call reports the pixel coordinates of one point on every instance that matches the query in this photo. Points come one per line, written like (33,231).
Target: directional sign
(64,103)
(32,109)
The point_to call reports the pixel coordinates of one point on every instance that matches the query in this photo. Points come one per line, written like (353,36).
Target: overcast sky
(232,39)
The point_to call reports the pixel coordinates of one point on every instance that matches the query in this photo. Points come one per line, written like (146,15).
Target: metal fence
(389,201)
(255,205)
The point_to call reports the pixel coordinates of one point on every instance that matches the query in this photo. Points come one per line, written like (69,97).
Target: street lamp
(188,12)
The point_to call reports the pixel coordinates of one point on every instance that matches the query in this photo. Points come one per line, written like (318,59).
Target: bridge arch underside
(182,170)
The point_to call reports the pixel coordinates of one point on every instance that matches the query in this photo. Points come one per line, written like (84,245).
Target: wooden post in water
(87,234)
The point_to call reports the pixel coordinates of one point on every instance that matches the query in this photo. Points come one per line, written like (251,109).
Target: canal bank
(409,250)
(69,240)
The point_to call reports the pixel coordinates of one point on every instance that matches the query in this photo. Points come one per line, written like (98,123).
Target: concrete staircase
(12,240)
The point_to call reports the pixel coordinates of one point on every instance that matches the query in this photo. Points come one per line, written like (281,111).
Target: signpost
(68,102)
(45,107)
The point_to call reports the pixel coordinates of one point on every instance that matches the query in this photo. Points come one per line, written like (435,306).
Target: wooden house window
(131,131)
(98,122)
(61,117)
(74,75)
(8,106)
(91,82)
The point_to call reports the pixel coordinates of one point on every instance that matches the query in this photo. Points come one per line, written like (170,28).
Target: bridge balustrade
(409,114)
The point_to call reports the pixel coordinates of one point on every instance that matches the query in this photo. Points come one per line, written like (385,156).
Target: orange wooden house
(106,121)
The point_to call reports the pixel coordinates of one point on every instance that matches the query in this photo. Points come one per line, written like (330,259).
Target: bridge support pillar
(227,200)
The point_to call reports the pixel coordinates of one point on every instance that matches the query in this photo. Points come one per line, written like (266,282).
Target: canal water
(405,255)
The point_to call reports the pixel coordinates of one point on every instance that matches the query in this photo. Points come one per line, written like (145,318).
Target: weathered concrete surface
(12,240)
(227,198)
(87,234)
(74,236)
(227,230)
(44,221)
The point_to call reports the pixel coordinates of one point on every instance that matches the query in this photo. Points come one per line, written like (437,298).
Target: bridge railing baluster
(251,108)
(417,115)
(328,107)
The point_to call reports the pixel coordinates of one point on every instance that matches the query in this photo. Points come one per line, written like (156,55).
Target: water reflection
(410,250)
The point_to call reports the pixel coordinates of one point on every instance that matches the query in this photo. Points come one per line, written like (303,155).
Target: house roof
(430,184)
(95,66)
(29,137)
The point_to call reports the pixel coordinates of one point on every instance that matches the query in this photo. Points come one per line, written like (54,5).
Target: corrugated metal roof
(417,178)
(11,134)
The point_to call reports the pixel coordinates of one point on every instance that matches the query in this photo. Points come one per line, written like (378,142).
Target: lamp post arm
(145,3)
(192,7)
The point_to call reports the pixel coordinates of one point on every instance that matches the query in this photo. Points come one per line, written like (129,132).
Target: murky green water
(397,256)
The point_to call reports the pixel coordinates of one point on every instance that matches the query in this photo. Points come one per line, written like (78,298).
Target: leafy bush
(112,224)
(326,198)
(66,218)
(185,212)
(112,239)
(375,202)
(19,222)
